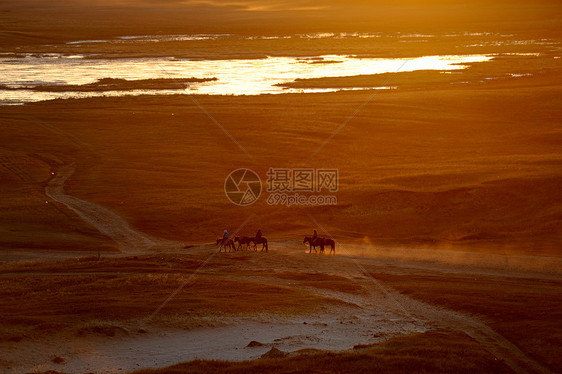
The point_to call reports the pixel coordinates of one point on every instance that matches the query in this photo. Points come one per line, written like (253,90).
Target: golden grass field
(449,215)
(445,173)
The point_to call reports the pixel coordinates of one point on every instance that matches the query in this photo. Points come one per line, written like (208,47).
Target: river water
(22,78)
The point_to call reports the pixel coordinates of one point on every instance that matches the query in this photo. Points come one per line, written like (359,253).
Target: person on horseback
(224,237)
(258,234)
(314,236)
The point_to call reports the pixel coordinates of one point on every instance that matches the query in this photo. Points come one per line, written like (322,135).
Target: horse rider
(258,234)
(224,237)
(314,236)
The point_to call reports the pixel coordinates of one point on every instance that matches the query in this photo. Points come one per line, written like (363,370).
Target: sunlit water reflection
(234,77)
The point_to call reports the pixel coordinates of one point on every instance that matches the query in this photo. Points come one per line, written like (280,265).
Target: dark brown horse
(261,240)
(318,242)
(243,240)
(226,243)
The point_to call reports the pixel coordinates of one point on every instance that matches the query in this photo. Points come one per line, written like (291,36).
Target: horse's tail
(266,246)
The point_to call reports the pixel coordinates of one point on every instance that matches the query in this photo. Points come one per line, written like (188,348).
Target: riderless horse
(243,240)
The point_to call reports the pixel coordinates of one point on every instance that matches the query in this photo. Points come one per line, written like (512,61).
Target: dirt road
(378,298)
(107,222)
(381,298)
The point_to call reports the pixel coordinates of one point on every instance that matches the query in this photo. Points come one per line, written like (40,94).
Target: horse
(226,243)
(331,243)
(243,240)
(261,240)
(314,243)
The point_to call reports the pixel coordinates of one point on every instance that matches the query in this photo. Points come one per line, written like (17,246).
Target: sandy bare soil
(375,314)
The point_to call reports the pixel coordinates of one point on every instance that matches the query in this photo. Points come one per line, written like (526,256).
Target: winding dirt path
(379,296)
(410,308)
(493,342)
(104,220)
